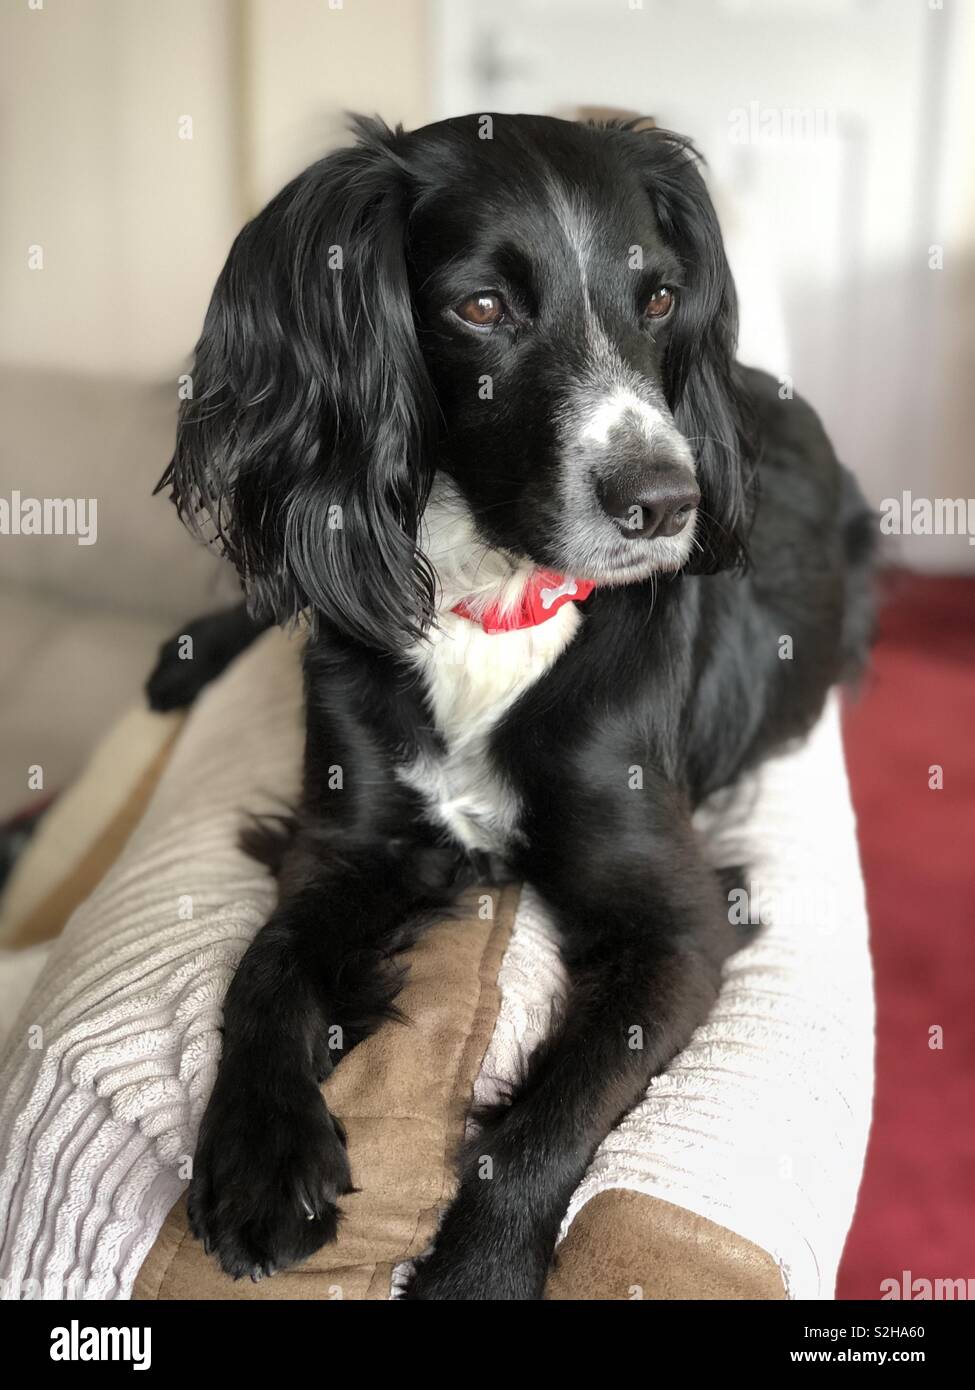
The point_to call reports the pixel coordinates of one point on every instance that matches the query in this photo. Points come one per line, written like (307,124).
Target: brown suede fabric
(402,1095)
(624,1245)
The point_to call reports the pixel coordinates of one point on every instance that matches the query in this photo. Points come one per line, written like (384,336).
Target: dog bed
(736,1176)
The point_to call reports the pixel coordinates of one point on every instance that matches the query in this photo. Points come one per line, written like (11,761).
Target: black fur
(319,387)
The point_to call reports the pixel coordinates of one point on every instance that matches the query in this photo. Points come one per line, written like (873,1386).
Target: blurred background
(137,135)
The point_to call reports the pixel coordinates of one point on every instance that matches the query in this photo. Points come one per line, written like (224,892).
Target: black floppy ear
(701,379)
(303,450)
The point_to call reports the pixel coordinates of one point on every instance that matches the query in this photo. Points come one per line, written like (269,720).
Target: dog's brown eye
(482,310)
(660,303)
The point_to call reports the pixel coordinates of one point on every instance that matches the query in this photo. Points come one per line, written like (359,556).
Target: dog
(466,402)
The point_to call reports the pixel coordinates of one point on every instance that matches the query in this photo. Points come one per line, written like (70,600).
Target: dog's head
(533,317)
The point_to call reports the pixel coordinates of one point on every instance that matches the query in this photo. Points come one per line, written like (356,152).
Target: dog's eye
(483,310)
(660,303)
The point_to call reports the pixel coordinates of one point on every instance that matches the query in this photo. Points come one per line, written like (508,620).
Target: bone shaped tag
(548,596)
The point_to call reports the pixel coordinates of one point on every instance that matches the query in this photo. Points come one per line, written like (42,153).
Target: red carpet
(917,708)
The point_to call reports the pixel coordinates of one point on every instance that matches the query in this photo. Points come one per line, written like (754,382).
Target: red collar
(544,594)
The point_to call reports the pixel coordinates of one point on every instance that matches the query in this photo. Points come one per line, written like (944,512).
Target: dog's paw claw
(264,1196)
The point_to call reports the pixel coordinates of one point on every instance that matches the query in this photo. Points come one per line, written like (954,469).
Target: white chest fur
(472,678)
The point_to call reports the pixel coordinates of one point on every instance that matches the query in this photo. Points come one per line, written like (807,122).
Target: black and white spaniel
(467,399)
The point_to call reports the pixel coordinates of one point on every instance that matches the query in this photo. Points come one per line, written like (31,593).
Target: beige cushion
(108,439)
(68,674)
(82,623)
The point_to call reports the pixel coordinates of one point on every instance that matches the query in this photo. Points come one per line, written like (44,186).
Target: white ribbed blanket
(759,1125)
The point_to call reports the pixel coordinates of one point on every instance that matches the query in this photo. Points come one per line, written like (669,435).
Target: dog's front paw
(266,1179)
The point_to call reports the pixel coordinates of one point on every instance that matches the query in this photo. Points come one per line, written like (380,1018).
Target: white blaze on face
(616,408)
(615,396)
(577,228)
(621,411)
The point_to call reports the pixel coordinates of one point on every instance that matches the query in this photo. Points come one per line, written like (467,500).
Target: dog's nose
(659,505)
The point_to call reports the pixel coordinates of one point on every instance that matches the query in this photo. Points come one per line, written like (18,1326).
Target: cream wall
(309,61)
(133,221)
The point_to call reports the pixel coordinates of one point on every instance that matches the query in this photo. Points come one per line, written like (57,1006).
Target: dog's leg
(644,942)
(271,1161)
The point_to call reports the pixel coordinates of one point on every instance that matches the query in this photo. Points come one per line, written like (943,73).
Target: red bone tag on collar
(544,594)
